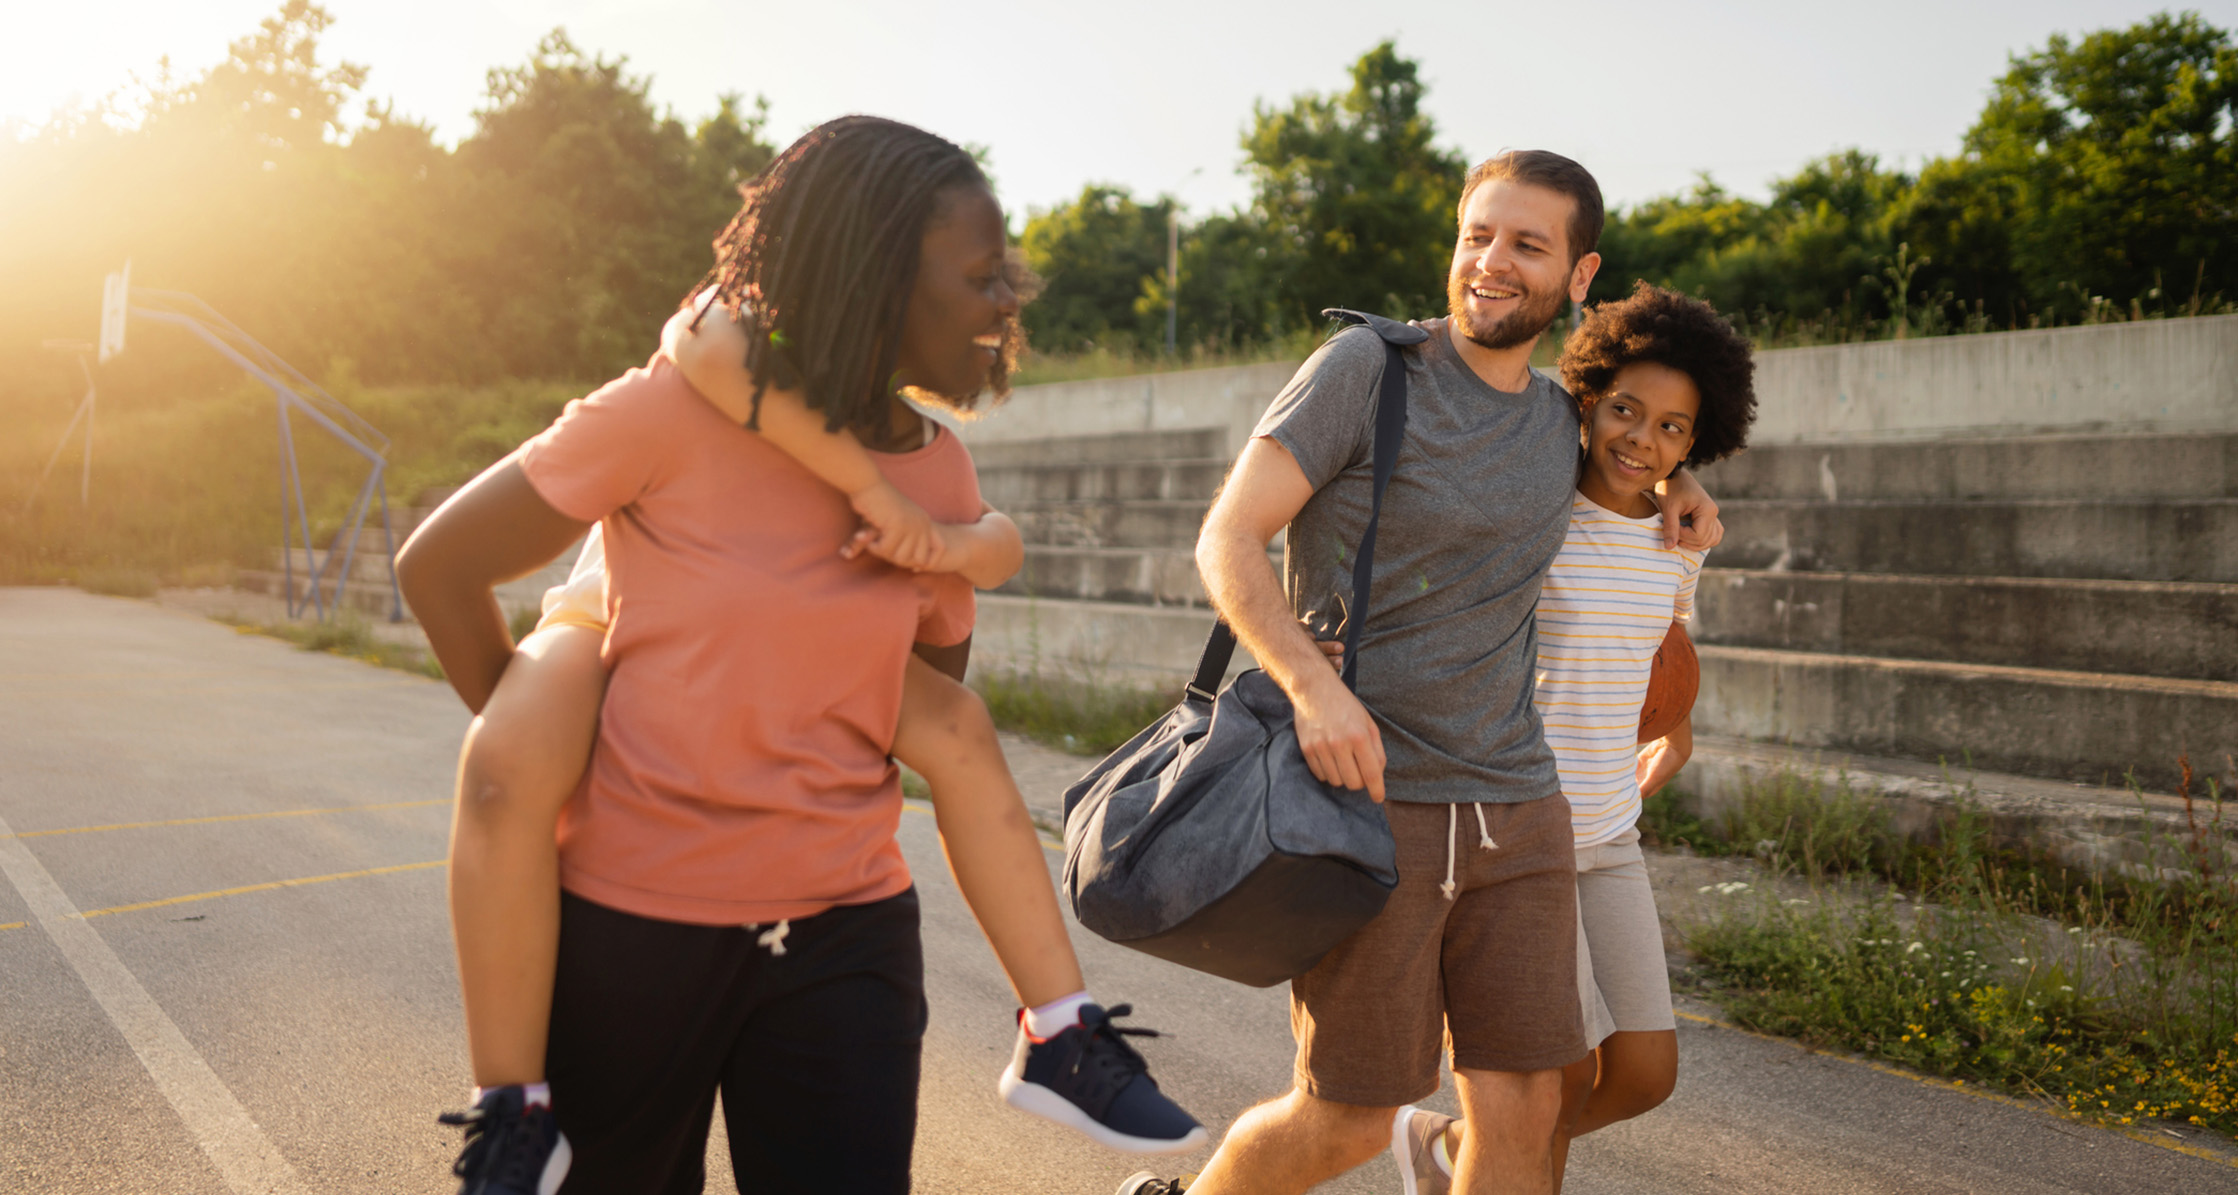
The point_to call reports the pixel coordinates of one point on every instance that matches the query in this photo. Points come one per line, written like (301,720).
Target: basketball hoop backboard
(116,296)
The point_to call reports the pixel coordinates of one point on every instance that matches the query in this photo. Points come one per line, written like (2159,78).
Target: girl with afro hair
(1662,381)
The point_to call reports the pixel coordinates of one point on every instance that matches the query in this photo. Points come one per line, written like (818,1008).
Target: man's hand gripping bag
(1205,840)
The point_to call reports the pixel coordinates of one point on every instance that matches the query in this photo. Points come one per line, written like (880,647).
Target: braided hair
(821,259)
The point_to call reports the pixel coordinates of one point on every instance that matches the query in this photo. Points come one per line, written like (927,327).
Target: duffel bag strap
(1390,430)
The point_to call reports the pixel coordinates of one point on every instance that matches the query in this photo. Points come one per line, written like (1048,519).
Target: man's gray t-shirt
(1475,512)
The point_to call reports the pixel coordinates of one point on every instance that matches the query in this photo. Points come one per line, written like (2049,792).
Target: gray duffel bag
(1205,840)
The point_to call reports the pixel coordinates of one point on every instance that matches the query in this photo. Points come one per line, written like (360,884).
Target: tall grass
(187,485)
(2111,994)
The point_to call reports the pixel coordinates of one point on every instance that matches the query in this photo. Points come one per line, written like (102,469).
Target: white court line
(245,1158)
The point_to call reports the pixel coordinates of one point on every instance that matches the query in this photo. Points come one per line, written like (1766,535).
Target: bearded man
(1477,945)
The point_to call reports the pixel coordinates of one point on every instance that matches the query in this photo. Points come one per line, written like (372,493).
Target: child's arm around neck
(710,349)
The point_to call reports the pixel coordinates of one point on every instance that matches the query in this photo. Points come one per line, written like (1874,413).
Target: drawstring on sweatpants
(1452,834)
(1453,841)
(773,937)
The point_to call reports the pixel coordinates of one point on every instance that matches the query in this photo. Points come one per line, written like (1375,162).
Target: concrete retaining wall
(1230,398)
(2153,375)
(1104,643)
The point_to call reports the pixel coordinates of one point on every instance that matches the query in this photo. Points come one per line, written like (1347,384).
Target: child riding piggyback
(673,865)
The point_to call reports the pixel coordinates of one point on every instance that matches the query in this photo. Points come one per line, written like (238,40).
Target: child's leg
(522,760)
(1071,1065)
(1638,1071)
(1577,1093)
(991,843)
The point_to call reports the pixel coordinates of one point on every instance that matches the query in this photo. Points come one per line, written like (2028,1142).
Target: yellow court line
(1980,1093)
(230,817)
(911,804)
(266,887)
(247,888)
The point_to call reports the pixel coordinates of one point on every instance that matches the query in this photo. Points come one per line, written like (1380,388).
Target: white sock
(1055,1017)
(532,1094)
(1440,1155)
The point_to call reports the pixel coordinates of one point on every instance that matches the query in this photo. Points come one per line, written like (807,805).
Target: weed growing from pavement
(1076,715)
(117,581)
(2113,997)
(345,635)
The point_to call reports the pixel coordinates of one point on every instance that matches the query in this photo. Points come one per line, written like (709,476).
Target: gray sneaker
(1414,1146)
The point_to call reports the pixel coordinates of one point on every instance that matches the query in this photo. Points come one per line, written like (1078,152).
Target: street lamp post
(1173,274)
(1173,261)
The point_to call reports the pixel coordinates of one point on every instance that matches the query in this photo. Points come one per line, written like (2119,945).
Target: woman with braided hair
(673,866)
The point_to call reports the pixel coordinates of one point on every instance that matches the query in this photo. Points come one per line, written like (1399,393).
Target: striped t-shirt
(1609,598)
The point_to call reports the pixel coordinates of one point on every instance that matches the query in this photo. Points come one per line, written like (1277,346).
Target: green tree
(1815,251)
(2113,159)
(590,213)
(1357,200)
(1227,298)
(1095,254)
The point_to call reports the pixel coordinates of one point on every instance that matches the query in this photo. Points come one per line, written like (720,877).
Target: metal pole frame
(294,393)
(85,475)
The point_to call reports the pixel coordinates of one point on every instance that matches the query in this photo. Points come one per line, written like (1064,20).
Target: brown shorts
(1493,970)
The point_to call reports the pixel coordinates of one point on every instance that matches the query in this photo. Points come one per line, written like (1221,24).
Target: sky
(1154,95)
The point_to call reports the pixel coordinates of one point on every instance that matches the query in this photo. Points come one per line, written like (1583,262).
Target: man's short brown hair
(1541,168)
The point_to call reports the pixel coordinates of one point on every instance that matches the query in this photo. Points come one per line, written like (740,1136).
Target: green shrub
(2114,996)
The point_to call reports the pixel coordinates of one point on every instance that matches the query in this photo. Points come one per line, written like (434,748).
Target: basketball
(1671,686)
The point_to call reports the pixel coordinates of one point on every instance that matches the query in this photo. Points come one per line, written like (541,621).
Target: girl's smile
(1637,434)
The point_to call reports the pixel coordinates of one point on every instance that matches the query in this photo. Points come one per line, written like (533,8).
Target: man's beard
(1519,327)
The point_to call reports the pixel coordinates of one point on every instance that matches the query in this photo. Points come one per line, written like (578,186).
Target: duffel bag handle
(1390,429)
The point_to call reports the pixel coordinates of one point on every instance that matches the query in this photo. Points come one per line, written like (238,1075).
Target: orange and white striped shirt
(1609,598)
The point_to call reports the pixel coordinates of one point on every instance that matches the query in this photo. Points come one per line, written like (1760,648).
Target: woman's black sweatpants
(815,1050)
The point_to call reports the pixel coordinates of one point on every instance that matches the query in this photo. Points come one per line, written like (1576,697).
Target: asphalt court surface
(251,986)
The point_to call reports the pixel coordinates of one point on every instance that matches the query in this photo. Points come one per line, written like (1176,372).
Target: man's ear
(1581,276)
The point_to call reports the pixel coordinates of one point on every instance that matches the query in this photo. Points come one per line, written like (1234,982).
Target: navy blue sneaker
(512,1147)
(1088,1078)
(1142,1182)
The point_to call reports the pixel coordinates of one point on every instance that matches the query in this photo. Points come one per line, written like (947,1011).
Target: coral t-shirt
(741,771)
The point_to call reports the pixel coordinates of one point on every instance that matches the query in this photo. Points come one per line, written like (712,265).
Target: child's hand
(895,530)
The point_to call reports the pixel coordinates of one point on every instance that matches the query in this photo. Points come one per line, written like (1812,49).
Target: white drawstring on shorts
(1453,842)
(773,937)
(1452,834)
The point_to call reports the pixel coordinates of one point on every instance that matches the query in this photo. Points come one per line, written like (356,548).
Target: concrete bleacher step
(1110,524)
(1009,485)
(2087,826)
(1110,448)
(2129,540)
(365,566)
(2085,823)
(1144,576)
(369,598)
(2145,628)
(2197,465)
(2059,724)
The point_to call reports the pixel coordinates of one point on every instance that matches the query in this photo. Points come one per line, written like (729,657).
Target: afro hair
(1684,333)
